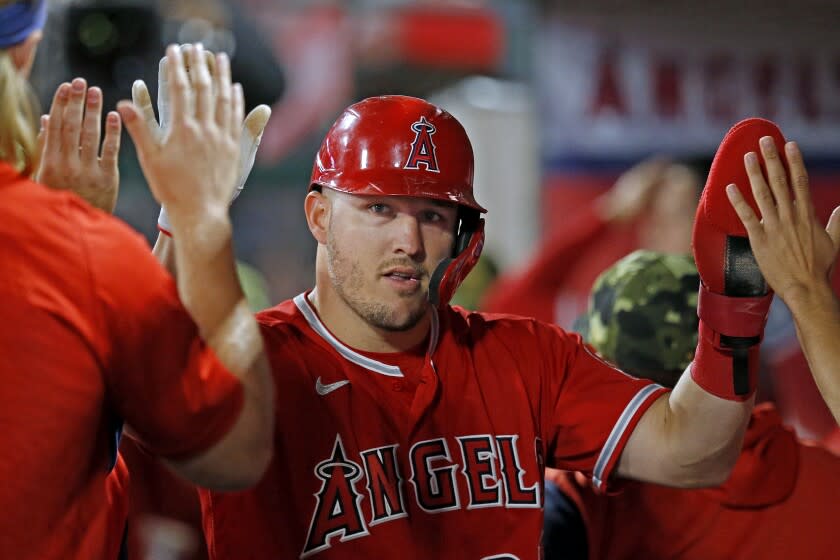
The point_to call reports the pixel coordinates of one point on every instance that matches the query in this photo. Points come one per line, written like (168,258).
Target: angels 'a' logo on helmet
(423,148)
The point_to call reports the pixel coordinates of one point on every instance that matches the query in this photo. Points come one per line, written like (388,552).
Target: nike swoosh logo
(322,389)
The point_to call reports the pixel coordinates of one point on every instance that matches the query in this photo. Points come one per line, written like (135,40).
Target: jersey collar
(305,308)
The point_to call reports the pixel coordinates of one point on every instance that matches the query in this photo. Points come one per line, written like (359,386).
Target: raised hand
(793,251)
(252,127)
(69,146)
(192,167)
(633,191)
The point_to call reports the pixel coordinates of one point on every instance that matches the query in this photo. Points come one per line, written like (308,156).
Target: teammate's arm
(796,256)
(192,172)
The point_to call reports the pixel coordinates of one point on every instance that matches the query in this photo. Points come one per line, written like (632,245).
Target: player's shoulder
(282,320)
(60,221)
(281,314)
(477,324)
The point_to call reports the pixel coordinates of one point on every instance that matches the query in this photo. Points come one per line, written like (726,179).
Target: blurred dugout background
(559,97)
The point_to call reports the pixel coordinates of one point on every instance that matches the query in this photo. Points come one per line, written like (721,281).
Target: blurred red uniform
(782,501)
(92,334)
(157,491)
(399,454)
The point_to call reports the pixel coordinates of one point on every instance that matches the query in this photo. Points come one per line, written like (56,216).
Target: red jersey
(91,333)
(781,501)
(436,456)
(157,491)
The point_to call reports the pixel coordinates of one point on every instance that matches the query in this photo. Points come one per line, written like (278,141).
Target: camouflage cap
(642,314)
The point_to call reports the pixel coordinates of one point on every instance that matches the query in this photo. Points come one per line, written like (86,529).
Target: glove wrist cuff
(726,366)
(733,316)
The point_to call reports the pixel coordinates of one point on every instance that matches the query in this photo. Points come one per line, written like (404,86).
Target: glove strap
(730,333)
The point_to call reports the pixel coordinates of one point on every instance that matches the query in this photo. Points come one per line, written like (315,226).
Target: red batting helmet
(395,145)
(398,146)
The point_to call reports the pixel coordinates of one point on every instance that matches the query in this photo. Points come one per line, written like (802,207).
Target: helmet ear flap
(451,271)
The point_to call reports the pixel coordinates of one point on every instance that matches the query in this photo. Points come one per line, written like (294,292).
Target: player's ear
(317,207)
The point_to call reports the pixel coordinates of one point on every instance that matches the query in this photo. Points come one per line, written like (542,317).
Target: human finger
(761,192)
(52,140)
(73,113)
(800,183)
(223,90)
(200,76)
(744,211)
(140,134)
(91,131)
(111,144)
(140,97)
(178,84)
(777,178)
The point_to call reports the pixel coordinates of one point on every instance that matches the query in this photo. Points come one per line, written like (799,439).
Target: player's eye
(379,208)
(431,216)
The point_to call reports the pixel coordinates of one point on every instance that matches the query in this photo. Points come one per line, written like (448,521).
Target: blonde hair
(18,116)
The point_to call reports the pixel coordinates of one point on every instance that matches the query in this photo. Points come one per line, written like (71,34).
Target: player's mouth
(404,277)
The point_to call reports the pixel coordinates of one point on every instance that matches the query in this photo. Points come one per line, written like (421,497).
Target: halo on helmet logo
(423,148)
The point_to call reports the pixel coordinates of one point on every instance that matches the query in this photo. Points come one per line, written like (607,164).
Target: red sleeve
(160,376)
(532,292)
(592,407)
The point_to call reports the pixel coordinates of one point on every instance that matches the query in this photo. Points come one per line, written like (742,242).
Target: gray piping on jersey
(311,317)
(618,430)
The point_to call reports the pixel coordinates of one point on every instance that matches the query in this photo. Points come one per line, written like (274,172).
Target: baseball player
(93,332)
(407,427)
(781,500)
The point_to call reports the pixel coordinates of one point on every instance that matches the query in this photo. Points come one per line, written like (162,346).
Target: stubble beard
(347,278)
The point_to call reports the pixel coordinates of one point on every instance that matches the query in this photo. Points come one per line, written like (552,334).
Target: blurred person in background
(781,500)
(95,331)
(651,206)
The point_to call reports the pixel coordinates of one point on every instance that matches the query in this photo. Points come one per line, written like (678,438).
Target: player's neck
(357,333)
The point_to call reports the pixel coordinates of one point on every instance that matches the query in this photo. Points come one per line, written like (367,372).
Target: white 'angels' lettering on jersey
(491,466)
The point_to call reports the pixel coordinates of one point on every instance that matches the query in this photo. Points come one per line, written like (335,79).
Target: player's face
(382,251)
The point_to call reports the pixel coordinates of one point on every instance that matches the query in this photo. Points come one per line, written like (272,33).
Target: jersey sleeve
(592,407)
(160,377)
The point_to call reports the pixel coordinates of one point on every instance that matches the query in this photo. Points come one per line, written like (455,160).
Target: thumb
(833,228)
(255,122)
(141,98)
(132,117)
(252,131)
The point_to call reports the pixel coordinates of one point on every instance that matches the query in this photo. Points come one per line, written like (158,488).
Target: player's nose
(408,237)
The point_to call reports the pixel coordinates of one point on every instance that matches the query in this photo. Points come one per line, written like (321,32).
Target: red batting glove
(734,297)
